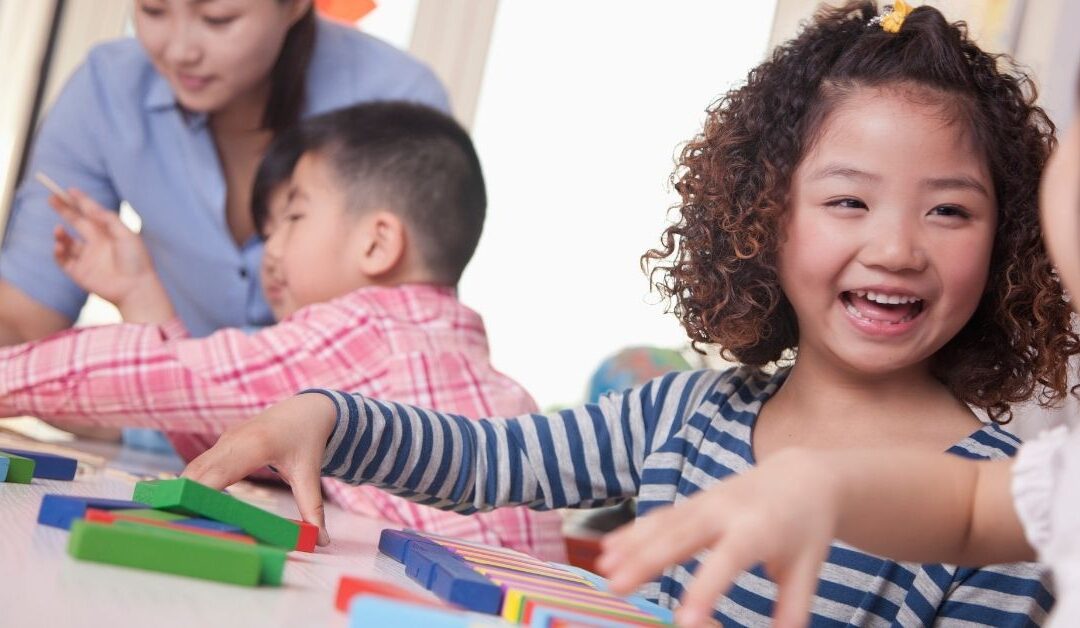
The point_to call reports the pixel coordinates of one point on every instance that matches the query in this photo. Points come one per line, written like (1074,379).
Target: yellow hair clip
(893,18)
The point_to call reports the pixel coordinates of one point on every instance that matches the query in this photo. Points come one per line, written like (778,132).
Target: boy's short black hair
(416,162)
(274,170)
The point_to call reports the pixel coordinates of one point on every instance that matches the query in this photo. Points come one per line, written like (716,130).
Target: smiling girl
(858,228)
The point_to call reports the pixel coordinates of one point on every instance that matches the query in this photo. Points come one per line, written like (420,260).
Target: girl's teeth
(884,299)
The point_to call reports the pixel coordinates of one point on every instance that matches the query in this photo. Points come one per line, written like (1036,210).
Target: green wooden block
(20,470)
(189,497)
(145,547)
(271,559)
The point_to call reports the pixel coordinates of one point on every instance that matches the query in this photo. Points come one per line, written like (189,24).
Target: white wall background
(581,111)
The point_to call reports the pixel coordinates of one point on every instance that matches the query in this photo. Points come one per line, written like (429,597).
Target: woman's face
(1059,202)
(214,52)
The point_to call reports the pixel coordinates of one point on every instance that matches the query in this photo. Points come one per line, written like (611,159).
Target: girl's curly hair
(717,263)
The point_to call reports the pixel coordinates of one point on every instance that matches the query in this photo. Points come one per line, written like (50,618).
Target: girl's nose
(894,247)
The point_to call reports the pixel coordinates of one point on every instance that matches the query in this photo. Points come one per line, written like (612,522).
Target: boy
(383,211)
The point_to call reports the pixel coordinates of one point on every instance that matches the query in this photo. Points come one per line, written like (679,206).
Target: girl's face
(213,52)
(1059,200)
(888,234)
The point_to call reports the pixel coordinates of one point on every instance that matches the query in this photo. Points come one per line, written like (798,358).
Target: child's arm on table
(907,505)
(109,260)
(448,461)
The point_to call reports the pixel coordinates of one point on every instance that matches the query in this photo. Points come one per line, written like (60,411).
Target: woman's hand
(291,437)
(782,514)
(109,260)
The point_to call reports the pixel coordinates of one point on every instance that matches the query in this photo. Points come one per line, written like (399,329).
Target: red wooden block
(105,516)
(350,586)
(309,536)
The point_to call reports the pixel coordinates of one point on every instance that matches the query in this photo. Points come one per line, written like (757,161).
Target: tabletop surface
(40,585)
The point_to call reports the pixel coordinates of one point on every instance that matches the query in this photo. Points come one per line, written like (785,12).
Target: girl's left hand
(782,514)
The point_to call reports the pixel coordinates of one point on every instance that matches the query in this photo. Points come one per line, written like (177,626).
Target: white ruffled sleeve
(1034,482)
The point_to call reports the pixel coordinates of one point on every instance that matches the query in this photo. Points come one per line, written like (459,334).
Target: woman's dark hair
(717,263)
(274,170)
(288,78)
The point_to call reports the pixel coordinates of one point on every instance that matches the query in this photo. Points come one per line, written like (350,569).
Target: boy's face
(888,235)
(1059,202)
(312,242)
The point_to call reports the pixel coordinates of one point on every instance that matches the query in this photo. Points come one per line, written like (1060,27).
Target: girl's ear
(380,244)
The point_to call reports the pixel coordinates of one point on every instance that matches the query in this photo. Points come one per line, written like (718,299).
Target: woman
(174,123)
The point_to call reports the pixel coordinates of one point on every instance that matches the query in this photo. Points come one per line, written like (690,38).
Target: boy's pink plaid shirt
(415,344)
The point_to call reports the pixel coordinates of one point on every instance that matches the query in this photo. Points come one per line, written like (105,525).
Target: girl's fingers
(713,578)
(307,491)
(658,541)
(797,587)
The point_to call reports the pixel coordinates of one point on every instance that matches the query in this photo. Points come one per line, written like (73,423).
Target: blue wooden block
(395,543)
(209,524)
(59,511)
(47,466)
(4,462)
(372,610)
(452,579)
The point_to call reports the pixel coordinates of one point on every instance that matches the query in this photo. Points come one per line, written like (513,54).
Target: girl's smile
(883,310)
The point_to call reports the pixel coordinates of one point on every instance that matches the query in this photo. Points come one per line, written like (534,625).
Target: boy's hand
(290,436)
(782,514)
(109,260)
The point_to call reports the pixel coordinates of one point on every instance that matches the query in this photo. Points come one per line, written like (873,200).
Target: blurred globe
(632,366)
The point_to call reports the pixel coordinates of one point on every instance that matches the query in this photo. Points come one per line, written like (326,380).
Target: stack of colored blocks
(519,588)
(180,527)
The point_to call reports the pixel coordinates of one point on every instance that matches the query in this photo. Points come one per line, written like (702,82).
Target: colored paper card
(518,608)
(352,586)
(4,463)
(59,511)
(47,466)
(554,617)
(144,547)
(372,610)
(104,516)
(189,497)
(207,524)
(652,608)
(20,470)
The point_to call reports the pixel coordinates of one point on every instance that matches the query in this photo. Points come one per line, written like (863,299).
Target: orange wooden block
(350,586)
(105,516)
(309,536)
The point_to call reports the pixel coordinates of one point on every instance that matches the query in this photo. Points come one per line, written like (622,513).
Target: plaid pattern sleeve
(417,344)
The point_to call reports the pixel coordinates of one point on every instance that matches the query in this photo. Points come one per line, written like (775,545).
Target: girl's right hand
(109,260)
(291,437)
(782,514)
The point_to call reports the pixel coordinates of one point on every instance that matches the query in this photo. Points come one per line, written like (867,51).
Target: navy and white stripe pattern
(663,442)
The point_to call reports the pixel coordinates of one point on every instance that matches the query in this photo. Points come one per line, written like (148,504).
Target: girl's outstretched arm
(587,456)
(907,505)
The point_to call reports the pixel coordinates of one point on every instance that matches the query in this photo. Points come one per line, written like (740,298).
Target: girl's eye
(950,211)
(293,217)
(848,203)
(149,11)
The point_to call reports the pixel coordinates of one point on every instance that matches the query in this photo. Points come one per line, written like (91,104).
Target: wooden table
(40,585)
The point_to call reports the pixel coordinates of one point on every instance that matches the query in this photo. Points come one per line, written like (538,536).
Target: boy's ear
(380,248)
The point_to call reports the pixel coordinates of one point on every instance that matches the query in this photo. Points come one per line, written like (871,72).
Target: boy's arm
(109,260)
(153,376)
(583,457)
(907,505)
